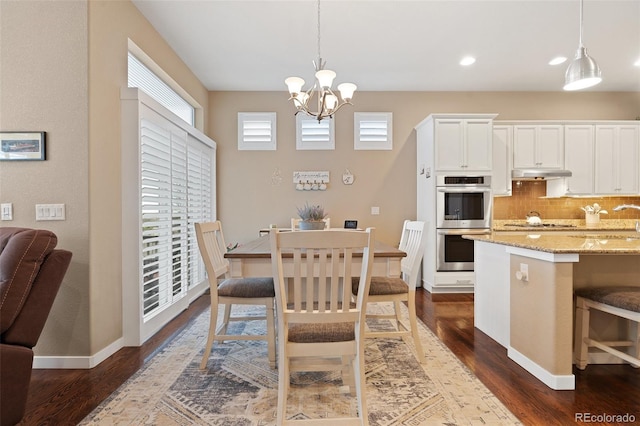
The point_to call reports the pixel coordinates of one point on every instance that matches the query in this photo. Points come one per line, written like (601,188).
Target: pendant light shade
(583,71)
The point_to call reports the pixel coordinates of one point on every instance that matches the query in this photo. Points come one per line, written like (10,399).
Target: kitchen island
(524,292)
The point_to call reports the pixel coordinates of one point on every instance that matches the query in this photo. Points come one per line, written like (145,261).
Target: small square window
(373,131)
(314,135)
(256,131)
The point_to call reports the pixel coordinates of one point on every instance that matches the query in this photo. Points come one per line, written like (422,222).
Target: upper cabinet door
(463,144)
(449,135)
(538,146)
(502,145)
(478,144)
(578,148)
(616,159)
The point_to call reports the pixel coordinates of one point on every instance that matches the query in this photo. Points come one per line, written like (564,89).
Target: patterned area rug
(239,388)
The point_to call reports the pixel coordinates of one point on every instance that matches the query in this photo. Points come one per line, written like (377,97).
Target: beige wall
(248,200)
(43,87)
(62,64)
(111,23)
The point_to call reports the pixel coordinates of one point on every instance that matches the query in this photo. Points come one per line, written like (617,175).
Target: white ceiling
(401,45)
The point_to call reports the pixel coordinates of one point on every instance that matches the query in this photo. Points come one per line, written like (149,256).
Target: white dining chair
(401,289)
(232,291)
(318,327)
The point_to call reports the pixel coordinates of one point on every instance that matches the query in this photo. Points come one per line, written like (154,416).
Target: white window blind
(143,78)
(163,203)
(168,184)
(373,131)
(200,195)
(176,191)
(257,131)
(314,135)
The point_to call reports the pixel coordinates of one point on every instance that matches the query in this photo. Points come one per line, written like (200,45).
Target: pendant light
(583,71)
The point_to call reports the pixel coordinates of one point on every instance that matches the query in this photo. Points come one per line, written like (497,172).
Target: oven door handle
(463,231)
(462,190)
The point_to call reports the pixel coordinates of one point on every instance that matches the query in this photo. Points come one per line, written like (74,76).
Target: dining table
(253,259)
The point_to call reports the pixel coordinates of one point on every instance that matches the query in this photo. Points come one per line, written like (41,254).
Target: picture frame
(22,146)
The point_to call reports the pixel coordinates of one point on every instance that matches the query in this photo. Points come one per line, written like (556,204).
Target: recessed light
(637,63)
(467,60)
(557,60)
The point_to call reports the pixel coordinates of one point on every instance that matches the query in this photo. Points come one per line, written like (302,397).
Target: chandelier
(326,99)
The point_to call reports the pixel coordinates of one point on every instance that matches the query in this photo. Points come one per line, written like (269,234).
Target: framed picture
(22,146)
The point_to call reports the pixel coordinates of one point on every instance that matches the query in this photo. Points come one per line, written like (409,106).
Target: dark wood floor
(65,397)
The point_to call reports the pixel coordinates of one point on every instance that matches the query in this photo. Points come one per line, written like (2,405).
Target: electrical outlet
(375,210)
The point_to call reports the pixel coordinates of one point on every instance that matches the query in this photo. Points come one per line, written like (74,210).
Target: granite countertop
(574,225)
(580,242)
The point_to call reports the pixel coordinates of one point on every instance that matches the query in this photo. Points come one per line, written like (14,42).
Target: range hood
(539,174)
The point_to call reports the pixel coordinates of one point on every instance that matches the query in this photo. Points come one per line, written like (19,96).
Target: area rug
(239,388)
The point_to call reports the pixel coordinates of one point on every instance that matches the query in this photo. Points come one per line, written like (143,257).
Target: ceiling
(400,45)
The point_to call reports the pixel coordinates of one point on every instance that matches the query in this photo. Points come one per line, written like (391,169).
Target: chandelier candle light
(327,100)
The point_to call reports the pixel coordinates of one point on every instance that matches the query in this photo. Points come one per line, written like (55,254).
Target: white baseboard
(77,362)
(554,381)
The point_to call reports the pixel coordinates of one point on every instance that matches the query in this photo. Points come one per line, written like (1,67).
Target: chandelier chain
(319,55)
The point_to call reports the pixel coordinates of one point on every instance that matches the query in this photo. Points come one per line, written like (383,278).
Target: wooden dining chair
(319,329)
(401,289)
(232,291)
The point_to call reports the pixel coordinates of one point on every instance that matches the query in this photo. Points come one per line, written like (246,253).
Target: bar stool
(623,302)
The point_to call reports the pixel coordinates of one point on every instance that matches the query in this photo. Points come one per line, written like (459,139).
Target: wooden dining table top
(260,249)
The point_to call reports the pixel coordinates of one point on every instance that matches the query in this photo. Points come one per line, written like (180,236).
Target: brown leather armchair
(31,271)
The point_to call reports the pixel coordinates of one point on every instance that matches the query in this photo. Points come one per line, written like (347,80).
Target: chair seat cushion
(382,285)
(247,287)
(621,297)
(319,333)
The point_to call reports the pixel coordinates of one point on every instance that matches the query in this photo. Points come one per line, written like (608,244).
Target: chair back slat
(322,262)
(212,248)
(412,242)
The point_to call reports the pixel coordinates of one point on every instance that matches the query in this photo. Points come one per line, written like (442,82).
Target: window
(257,131)
(314,135)
(169,170)
(373,131)
(175,192)
(143,78)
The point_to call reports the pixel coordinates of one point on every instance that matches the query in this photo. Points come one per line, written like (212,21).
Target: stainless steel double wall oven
(463,206)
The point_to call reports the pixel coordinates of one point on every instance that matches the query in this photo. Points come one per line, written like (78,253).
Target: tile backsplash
(531,195)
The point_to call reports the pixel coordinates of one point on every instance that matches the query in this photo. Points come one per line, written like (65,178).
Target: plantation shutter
(163,207)
(257,131)
(168,184)
(373,131)
(314,135)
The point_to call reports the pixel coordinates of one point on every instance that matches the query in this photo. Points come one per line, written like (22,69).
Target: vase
(592,219)
(306,225)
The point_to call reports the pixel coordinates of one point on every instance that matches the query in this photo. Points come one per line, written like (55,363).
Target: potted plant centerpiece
(312,217)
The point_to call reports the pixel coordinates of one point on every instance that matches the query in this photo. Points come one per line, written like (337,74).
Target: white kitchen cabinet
(578,155)
(446,143)
(502,165)
(538,146)
(616,158)
(463,144)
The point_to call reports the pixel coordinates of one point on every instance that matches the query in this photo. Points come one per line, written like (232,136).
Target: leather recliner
(31,271)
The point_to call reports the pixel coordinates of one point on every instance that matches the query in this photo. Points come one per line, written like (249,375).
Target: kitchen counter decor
(592,214)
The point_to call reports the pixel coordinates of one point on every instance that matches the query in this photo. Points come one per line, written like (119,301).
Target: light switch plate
(6,211)
(50,212)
